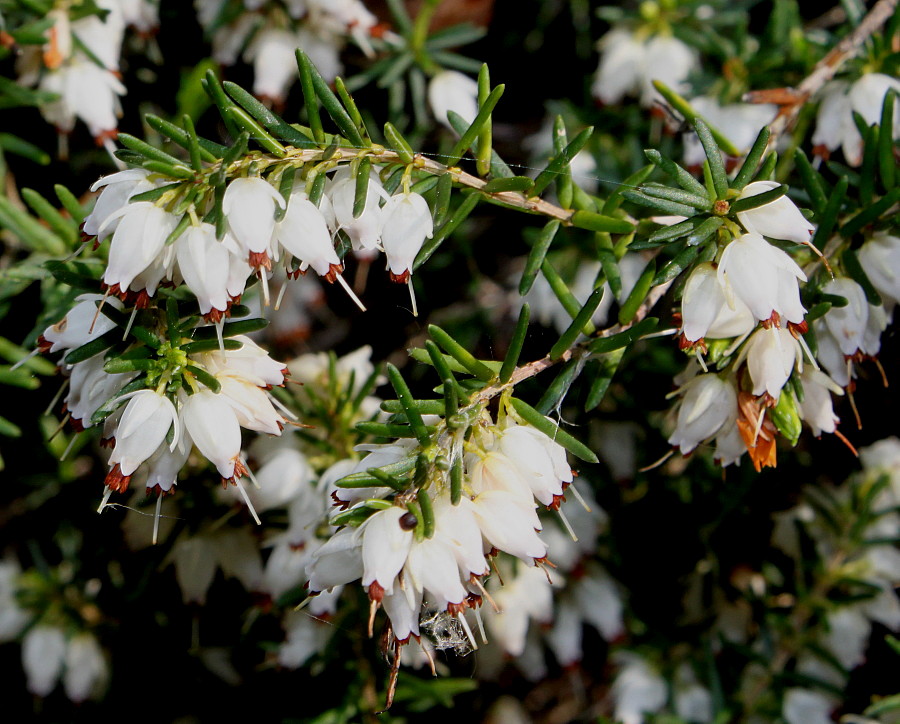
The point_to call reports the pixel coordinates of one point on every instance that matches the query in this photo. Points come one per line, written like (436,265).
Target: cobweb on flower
(446,632)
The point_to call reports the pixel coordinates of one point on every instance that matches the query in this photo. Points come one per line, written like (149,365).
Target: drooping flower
(835,127)
(407,223)
(139,239)
(386,539)
(880,258)
(141,430)
(249,205)
(709,403)
(740,122)
(778,219)
(43,656)
(86,667)
(303,233)
(451,90)
(763,277)
(771,356)
(213,426)
(205,265)
(705,311)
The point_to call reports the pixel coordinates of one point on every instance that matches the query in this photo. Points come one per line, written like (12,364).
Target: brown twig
(792,100)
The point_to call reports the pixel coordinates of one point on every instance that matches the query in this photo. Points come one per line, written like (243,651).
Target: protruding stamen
(412,297)
(700,359)
(350,292)
(568,526)
(484,592)
(264,281)
(578,496)
(156,518)
(478,619)
(247,500)
(130,322)
(68,448)
(428,656)
(373,609)
(657,463)
(280,297)
(106,494)
(220,325)
(249,472)
(461,617)
(759,424)
(36,352)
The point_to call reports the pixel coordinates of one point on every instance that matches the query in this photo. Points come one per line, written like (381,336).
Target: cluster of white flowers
(631,61)
(155,431)
(50,651)
(80,64)
(216,271)
(268,38)
(750,302)
(509,469)
(835,127)
(843,636)
(739,122)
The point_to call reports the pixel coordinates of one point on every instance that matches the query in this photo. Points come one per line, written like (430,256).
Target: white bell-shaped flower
(816,408)
(669,60)
(142,428)
(451,90)
(89,387)
(364,230)
(274,67)
(847,324)
(621,63)
(81,324)
(337,562)
(404,607)
(386,539)
(86,668)
(771,356)
(778,219)
(740,122)
(251,362)
(708,404)
(249,205)
(117,189)
(730,446)
(540,461)
(431,568)
(829,354)
(306,636)
(835,127)
(880,259)
(457,525)
(213,426)
(407,223)
(876,324)
(705,311)
(205,265)
(763,277)
(804,706)
(303,233)
(43,655)
(139,239)
(103,37)
(164,465)
(637,689)
(508,523)
(251,405)
(494,470)
(85,92)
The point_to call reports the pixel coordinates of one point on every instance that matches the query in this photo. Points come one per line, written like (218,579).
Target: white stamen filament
(280,298)
(465,624)
(156,518)
(350,293)
(130,322)
(568,525)
(106,494)
(578,496)
(412,296)
(247,501)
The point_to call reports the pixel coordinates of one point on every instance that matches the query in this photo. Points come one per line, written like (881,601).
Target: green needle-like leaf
(472,132)
(578,324)
(515,345)
(460,354)
(405,397)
